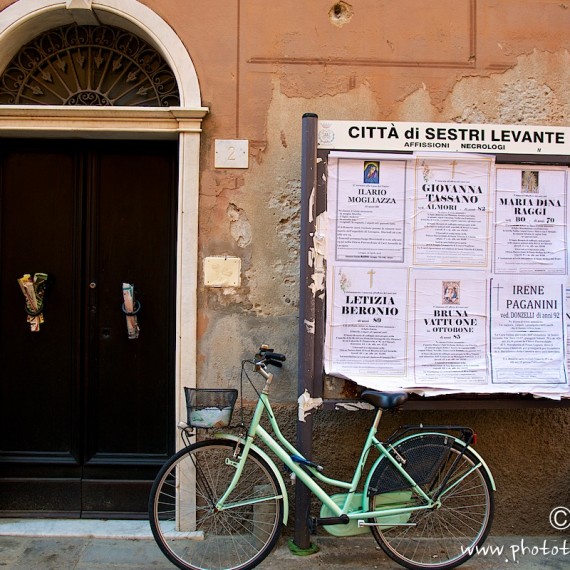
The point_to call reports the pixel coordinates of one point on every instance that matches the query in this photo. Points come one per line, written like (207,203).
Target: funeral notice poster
(450,327)
(451,211)
(366,201)
(446,272)
(366,321)
(530,221)
(528,331)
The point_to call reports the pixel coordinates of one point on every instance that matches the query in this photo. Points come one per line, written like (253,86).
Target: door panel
(39,400)
(134,251)
(38,370)
(86,414)
(132,245)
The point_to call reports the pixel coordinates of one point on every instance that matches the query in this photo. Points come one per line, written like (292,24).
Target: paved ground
(84,545)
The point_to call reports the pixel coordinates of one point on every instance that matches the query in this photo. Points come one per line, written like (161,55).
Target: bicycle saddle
(384,400)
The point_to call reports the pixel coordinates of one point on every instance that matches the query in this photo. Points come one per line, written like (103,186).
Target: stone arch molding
(25,19)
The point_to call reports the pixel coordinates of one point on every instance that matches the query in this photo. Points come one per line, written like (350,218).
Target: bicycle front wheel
(447,535)
(189,529)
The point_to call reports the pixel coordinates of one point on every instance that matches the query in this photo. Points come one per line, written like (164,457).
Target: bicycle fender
(271,464)
(483,463)
(460,441)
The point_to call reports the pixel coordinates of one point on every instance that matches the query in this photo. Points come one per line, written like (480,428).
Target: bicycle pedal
(315,522)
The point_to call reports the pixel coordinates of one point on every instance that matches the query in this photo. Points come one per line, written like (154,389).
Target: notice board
(440,256)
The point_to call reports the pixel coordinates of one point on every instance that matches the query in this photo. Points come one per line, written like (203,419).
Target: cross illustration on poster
(453,165)
(497,287)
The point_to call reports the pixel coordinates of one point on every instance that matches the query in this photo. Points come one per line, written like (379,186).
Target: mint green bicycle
(219,504)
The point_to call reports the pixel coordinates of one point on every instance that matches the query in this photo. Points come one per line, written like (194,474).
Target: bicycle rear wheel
(447,535)
(185,523)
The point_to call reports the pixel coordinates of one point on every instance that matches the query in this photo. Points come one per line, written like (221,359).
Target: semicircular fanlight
(88,65)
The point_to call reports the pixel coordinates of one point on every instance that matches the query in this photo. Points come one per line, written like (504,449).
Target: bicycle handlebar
(269,357)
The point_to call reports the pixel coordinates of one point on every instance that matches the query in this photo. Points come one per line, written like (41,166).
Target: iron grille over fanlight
(88,65)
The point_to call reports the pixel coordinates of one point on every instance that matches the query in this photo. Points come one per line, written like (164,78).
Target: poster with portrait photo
(449,328)
(366,207)
(530,221)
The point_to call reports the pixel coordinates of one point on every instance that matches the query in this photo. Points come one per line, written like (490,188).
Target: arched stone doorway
(92,467)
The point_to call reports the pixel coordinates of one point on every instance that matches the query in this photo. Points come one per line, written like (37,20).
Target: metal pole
(306,350)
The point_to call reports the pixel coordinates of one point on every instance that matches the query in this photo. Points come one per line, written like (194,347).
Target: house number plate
(231,153)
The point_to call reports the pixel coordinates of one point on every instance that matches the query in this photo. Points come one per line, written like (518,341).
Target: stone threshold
(84,528)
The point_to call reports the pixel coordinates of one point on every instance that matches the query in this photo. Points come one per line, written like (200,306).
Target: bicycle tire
(238,538)
(447,536)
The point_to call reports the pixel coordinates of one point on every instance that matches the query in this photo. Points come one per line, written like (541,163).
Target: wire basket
(424,455)
(210,407)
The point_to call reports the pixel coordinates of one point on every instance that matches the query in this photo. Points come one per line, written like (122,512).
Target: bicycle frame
(283,449)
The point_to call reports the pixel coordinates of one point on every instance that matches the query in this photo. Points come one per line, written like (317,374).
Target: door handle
(136,309)
(130,308)
(34,290)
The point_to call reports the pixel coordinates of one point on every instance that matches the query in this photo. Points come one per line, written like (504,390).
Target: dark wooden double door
(86,413)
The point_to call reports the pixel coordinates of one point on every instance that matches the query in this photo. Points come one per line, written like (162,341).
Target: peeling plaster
(532,91)
(353,406)
(286,209)
(317,262)
(416,106)
(321,230)
(528,101)
(272,192)
(240,228)
(306,404)
(312,205)
(317,255)
(310,326)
